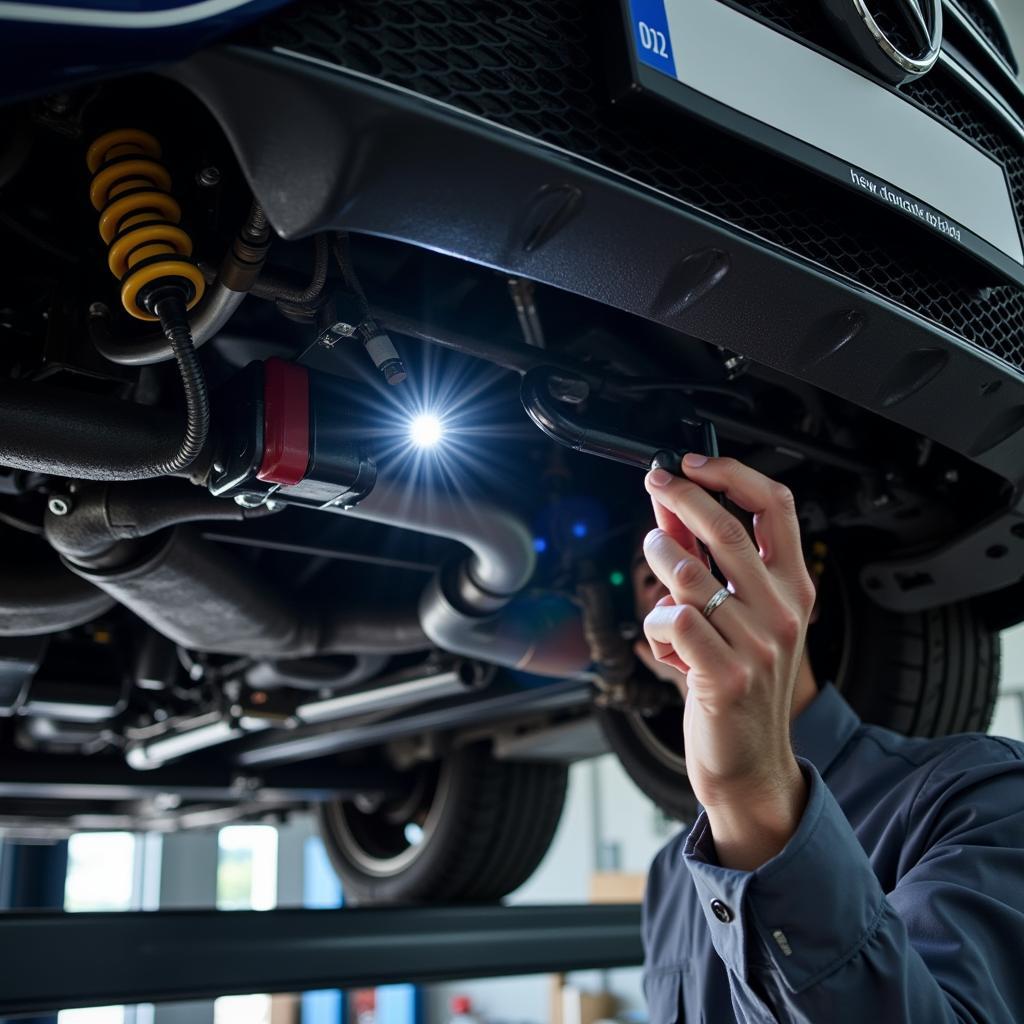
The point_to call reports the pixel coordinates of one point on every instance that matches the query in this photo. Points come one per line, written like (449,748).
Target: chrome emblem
(897,39)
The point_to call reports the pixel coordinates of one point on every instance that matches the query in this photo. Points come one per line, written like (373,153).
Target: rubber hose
(278,291)
(174,321)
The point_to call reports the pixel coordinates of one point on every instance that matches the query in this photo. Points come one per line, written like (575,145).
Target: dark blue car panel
(47,47)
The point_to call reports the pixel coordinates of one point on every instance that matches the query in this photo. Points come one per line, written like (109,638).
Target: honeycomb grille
(803,18)
(955,107)
(536,66)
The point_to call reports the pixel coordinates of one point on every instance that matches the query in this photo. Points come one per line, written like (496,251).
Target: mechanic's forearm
(751,829)
(811,933)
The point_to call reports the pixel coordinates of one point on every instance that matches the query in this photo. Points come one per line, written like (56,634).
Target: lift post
(59,960)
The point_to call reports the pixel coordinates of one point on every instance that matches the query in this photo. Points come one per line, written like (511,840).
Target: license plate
(740,73)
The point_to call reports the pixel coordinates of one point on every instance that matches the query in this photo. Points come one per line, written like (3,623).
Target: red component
(461,1004)
(285,423)
(364,1000)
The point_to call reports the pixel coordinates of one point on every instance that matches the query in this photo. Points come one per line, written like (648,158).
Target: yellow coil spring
(139,218)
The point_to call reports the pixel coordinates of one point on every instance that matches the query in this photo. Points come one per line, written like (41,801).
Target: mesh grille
(953,105)
(803,18)
(536,66)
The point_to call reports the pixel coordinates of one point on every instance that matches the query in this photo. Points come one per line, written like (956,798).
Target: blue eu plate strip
(651,36)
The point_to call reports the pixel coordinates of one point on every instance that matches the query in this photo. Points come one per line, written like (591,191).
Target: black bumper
(326,147)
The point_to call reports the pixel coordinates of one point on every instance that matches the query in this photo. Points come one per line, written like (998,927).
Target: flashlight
(425,430)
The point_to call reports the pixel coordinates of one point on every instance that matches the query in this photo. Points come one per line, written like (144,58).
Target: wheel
(929,673)
(650,750)
(468,829)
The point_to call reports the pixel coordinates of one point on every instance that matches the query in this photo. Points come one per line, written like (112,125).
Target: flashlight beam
(425,430)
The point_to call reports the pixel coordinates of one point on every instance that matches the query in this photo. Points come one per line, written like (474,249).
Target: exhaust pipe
(472,608)
(200,733)
(501,559)
(214,729)
(197,594)
(40,599)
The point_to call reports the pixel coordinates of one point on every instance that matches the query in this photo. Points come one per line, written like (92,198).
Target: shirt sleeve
(811,936)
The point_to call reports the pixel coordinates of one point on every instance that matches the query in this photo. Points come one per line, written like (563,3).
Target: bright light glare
(425,430)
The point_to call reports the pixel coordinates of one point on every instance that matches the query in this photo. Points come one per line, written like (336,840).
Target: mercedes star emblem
(897,40)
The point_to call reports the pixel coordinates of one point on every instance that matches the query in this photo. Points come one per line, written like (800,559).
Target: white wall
(1009,715)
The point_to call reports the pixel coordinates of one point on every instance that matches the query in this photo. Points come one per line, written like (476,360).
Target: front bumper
(672,234)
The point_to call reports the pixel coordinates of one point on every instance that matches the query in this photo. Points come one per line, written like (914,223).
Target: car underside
(277,523)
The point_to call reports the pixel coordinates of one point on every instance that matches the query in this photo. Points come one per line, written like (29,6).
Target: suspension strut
(151,255)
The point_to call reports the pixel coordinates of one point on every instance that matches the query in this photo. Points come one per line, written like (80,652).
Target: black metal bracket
(983,560)
(56,960)
(548,394)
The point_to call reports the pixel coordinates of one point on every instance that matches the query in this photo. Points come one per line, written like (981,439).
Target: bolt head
(58,505)
(367,802)
(331,335)
(208,177)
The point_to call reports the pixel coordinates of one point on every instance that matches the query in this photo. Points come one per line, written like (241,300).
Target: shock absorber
(151,255)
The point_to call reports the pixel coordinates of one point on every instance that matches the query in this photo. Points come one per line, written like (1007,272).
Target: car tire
(481,828)
(650,750)
(939,670)
(930,673)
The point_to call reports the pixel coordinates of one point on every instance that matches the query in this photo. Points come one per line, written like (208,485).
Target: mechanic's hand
(741,662)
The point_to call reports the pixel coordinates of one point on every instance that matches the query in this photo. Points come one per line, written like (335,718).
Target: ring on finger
(719,597)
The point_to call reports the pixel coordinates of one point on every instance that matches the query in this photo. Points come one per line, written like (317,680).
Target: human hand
(741,663)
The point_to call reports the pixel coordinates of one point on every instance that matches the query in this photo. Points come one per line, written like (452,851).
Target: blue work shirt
(900,898)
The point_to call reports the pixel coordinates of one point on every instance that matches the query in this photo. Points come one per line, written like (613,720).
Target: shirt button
(721,911)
